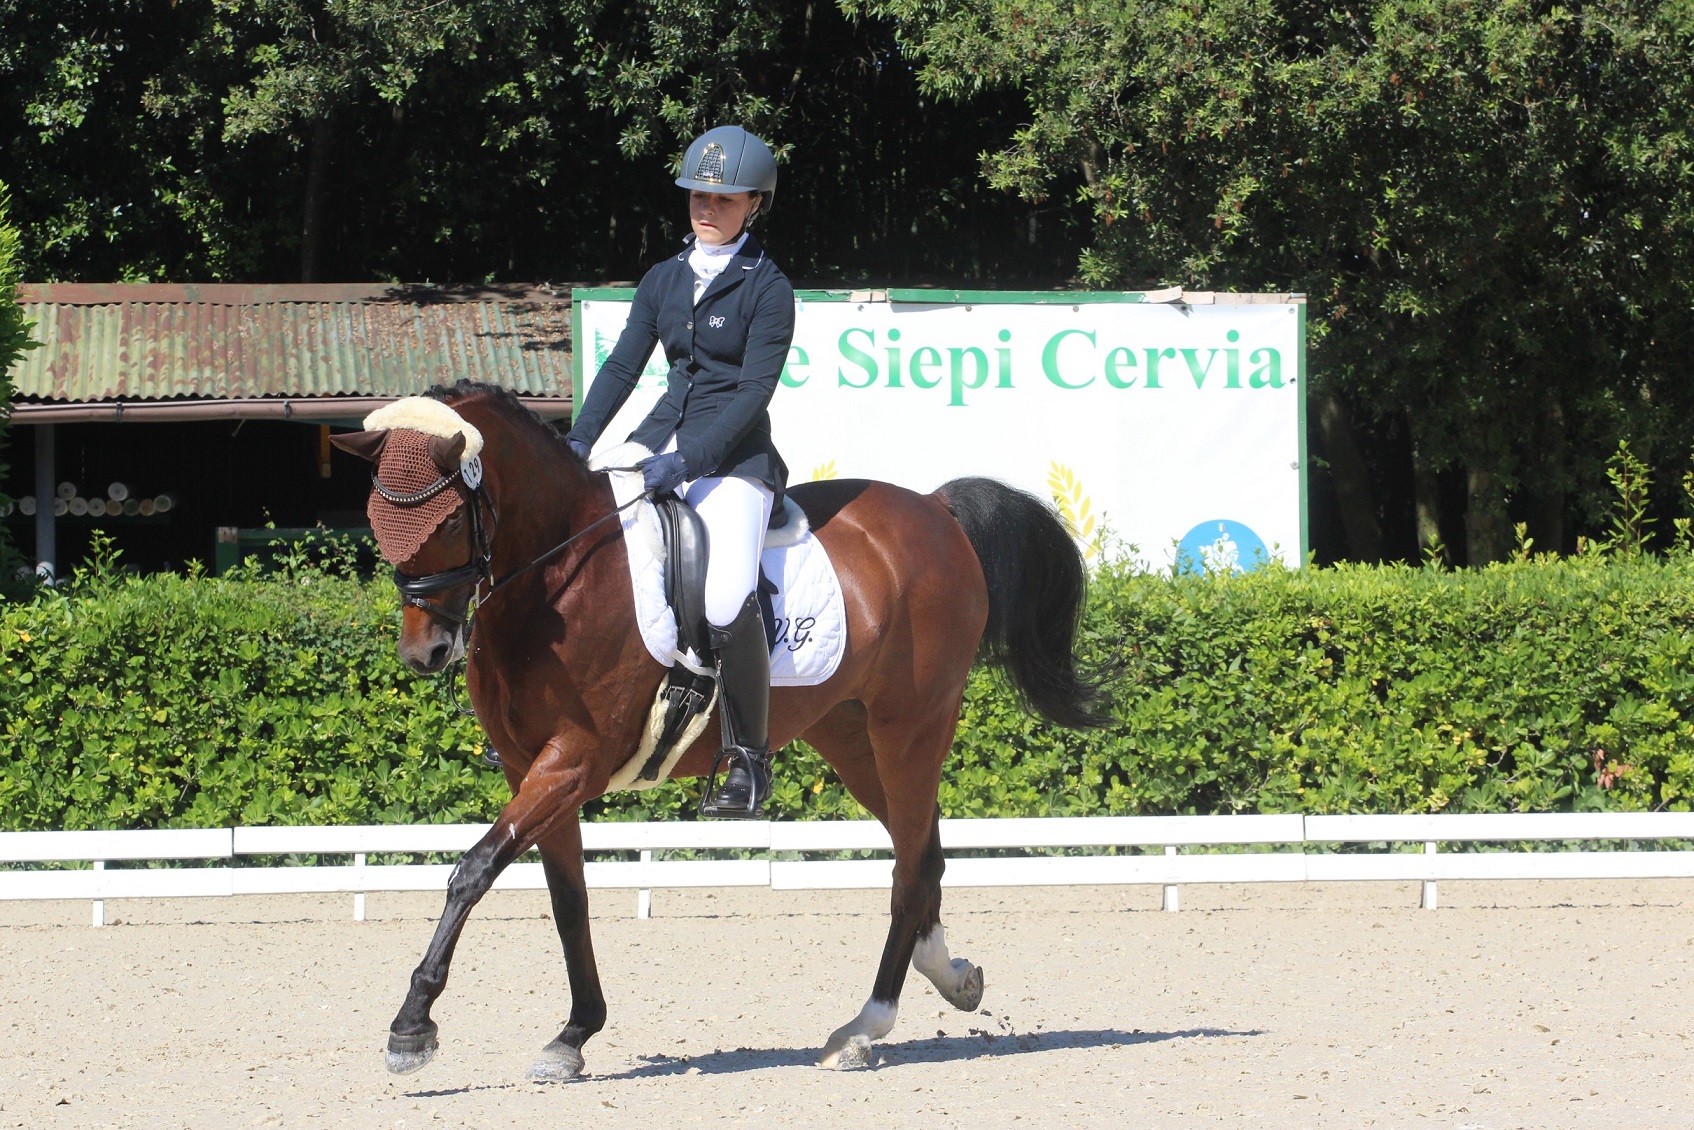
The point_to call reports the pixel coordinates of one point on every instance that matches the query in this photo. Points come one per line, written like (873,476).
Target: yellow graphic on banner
(824,471)
(1075,508)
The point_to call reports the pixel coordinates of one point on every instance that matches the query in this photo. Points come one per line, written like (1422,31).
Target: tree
(1488,204)
(270,140)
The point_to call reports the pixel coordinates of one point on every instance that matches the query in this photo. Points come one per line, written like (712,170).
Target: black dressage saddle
(692,681)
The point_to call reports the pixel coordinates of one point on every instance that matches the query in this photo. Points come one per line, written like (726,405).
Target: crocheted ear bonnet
(416,452)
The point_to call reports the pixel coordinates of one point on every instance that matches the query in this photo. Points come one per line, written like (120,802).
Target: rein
(496,586)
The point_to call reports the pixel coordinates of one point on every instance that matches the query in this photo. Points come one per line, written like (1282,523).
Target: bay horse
(562,683)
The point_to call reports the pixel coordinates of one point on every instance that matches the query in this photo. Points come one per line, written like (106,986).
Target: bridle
(479,570)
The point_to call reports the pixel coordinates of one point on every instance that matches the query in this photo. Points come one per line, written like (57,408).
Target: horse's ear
(366,445)
(446,450)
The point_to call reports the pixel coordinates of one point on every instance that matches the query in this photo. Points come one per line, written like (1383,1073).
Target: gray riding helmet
(729,159)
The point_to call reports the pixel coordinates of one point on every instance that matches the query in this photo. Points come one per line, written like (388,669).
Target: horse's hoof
(559,1062)
(408,1053)
(854,1053)
(969,993)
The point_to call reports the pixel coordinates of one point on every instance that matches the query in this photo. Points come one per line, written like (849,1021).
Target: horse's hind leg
(561,859)
(906,777)
(957,980)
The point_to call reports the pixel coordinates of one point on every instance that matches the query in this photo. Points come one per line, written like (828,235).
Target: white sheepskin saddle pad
(811,619)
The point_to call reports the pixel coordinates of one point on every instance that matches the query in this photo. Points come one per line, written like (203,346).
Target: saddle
(691,686)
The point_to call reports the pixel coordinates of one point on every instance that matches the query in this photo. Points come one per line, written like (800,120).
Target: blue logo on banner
(1220,545)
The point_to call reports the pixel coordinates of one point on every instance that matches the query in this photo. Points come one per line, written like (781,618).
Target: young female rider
(725,313)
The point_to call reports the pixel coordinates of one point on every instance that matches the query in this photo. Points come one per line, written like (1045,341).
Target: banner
(1168,431)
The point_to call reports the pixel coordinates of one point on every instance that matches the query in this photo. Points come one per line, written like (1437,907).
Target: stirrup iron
(754,778)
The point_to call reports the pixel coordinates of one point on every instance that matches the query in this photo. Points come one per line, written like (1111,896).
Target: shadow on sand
(938,1049)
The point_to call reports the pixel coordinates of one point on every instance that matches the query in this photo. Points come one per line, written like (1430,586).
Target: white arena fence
(1291,849)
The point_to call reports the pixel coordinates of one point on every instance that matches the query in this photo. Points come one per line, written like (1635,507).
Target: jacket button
(690,325)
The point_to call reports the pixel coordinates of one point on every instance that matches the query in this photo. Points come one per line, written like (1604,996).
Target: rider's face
(718,217)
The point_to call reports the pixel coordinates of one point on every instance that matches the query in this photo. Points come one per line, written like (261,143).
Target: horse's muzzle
(431,647)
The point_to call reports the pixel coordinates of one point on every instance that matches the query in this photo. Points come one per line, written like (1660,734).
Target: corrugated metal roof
(151,342)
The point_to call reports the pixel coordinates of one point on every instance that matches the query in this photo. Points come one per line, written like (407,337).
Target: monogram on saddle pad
(666,543)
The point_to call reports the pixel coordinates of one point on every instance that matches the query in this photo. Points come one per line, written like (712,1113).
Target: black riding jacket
(726,352)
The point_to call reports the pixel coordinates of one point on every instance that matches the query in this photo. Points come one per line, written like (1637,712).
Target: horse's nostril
(438,656)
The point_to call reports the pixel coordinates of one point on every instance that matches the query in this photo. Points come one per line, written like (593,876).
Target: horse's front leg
(551,792)
(561,858)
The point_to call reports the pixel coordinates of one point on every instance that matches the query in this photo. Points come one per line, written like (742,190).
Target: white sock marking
(930,958)
(874,1021)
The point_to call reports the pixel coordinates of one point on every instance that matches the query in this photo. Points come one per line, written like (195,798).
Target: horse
(562,685)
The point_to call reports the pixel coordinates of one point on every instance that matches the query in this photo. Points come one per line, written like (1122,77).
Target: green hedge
(1533,686)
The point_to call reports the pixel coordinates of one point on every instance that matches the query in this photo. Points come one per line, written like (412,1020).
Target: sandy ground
(1516,1004)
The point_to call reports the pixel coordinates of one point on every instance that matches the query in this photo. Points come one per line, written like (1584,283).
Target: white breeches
(736,512)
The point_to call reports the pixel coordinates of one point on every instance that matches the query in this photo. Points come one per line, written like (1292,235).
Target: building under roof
(209,355)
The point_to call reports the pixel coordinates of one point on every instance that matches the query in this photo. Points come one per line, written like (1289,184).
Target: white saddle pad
(811,619)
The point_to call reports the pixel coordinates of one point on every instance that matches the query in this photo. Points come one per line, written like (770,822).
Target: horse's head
(428,512)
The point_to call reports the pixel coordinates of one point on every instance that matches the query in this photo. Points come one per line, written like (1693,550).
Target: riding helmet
(729,159)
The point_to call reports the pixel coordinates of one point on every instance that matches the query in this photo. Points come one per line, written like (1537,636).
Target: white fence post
(1172,899)
(644,897)
(359,886)
(99,904)
(1428,900)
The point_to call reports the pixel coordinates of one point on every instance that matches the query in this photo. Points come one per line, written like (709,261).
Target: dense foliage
(1491,205)
(1534,685)
(337,140)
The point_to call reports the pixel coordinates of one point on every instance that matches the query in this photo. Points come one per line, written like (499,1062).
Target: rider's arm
(769,335)
(617,377)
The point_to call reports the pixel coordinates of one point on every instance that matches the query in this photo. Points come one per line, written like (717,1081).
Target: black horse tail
(1036,589)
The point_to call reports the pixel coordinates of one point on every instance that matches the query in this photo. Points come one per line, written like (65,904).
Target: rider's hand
(578,446)
(662,474)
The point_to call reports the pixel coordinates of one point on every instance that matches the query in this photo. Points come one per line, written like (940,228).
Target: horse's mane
(504,400)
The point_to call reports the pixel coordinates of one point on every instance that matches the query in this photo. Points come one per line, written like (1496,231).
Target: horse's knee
(475,873)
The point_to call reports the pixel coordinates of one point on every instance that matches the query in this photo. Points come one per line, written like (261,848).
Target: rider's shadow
(938,1049)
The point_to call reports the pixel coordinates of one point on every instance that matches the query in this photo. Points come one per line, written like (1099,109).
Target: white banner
(1165,430)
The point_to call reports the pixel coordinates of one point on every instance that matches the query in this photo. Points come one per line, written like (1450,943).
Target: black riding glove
(662,474)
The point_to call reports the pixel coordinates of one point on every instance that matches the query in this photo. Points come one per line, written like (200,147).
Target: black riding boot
(744,698)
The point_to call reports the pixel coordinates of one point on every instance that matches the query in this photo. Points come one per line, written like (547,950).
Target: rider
(725,313)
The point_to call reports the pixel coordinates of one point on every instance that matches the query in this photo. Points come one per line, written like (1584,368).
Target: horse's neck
(541,499)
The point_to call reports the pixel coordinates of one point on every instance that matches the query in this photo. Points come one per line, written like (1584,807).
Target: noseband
(477,570)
